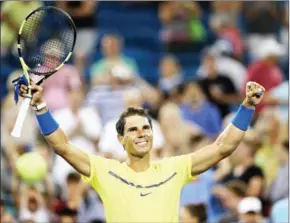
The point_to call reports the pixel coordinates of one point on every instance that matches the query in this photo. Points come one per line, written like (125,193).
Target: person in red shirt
(266,70)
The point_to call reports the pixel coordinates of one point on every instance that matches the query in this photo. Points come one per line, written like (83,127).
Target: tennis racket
(46,40)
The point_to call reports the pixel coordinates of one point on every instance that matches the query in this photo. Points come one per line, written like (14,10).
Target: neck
(113,57)
(138,164)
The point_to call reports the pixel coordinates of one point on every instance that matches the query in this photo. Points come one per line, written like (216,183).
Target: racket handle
(16,132)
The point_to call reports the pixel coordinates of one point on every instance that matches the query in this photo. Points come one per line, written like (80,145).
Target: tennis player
(140,190)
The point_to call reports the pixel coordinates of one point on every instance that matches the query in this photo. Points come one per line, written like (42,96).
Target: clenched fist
(37,93)
(254,94)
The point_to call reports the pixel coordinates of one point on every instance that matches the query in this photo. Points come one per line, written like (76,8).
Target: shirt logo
(143,195)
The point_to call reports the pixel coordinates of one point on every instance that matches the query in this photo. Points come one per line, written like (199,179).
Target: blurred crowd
(87,96)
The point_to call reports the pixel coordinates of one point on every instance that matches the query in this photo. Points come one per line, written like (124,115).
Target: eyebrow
(133,128)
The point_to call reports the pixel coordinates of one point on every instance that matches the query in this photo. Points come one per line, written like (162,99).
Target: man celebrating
(140,190)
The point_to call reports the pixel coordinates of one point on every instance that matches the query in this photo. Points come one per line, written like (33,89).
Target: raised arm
(230,138)
(54,135)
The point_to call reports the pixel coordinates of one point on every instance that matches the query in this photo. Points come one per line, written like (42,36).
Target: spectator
(280,211)
(182,26)
(5,216)
(33,206)
(198,191)
(65,214)
(193,214)
(109,142)
(59,86)
(268,67)
(245,170)
(224,27)
(72,194)
(197,110)
(112,56)
(261,23)
(226,64)
(171,75)
(12,15)
(230,195)
(278,96)
(268,131)
(230,8)
(91,208)
(83,126)
(218,88)
(177,132)
(107,97)
(250,211)
(280,186)
(82,13)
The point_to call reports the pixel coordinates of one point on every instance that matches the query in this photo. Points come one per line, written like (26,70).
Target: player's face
(138,136)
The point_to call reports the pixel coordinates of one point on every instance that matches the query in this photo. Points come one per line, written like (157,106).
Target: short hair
(199,211)
(238,187)
(115,36)
(73,177)
(131,111)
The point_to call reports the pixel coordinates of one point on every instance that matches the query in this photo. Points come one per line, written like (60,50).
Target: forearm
(57,139)
(225,144)
(231,137)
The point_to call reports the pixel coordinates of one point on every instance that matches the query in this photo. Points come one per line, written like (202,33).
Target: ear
(121,139)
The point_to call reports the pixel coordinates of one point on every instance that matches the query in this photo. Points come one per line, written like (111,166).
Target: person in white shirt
(33,207)
(109,144)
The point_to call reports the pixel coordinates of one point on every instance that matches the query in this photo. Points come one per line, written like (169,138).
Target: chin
(140,152)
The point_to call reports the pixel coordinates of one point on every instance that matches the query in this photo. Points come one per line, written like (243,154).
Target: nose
(140,132)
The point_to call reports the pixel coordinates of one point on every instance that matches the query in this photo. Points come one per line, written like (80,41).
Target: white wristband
(38,107)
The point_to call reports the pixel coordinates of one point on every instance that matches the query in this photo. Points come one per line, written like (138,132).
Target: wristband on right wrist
(243,117)
(46,123)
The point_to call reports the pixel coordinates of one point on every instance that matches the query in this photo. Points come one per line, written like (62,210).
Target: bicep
(78,159)
(205,158)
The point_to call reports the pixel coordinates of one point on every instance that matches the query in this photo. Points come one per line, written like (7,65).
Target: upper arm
(182,167)
(204,158)
(210,155)
(78,159)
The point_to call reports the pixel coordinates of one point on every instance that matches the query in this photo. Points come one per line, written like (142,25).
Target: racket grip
(16,132)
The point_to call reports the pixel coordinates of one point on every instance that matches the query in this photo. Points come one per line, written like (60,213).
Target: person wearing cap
(250,211)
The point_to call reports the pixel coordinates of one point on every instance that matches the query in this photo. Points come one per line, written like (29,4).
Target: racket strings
(46,39)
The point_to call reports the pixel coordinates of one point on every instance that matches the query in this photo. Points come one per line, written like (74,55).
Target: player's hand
(254,94)
(37,93)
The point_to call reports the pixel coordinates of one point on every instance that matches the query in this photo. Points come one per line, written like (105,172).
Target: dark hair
(238,187)
(120,125)
(73,177)
(199,211)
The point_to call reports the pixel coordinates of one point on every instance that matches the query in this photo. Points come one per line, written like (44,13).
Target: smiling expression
(138,136)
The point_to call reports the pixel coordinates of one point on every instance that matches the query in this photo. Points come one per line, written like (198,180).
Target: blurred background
(187,63)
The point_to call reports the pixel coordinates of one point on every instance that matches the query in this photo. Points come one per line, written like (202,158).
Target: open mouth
(141,142)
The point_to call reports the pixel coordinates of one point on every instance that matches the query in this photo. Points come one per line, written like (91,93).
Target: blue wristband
(47,123)
(243,117)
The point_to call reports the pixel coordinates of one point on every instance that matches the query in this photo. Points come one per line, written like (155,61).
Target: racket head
(46,40)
